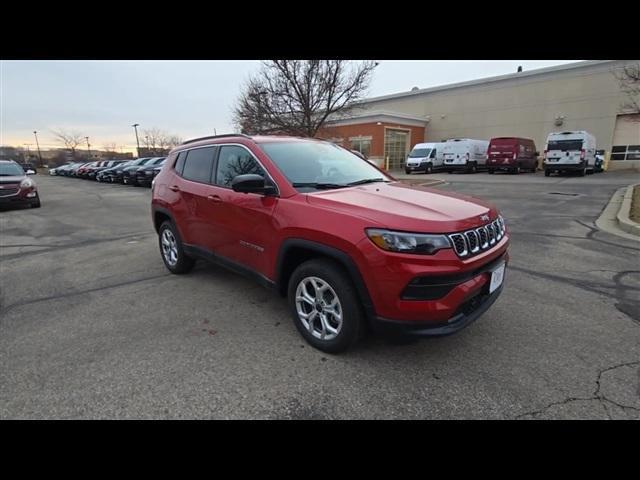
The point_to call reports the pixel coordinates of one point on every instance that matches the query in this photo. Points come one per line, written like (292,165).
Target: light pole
(88,147)
(135,127)
(39,154)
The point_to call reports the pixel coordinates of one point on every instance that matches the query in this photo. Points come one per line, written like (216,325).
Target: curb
(624,222)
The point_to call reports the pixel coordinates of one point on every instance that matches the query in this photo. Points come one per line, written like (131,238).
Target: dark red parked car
(512,155)
(16,188)
(349,245)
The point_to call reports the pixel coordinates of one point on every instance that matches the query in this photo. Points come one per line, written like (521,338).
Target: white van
(465,154)
(570,151)
(425,157)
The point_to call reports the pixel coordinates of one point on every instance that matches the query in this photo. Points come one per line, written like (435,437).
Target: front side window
(234,161)
(316,165)
(198,165)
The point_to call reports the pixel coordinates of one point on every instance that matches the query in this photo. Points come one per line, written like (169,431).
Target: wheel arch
(295,251)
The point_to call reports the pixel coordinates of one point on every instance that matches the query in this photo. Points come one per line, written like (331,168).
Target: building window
(362,145)
(625,152)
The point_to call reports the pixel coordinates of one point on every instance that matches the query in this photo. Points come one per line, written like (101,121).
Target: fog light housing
(31,194)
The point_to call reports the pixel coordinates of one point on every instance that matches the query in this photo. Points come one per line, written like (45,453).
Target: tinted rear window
(564,145)
(198,164)
(180,162)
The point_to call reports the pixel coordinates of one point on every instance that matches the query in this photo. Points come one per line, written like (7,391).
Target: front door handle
(174,188)
(214,198)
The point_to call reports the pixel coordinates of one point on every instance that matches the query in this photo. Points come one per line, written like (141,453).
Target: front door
(245,220)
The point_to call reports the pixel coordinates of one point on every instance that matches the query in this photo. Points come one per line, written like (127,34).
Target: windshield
(564,145)
(10,170)
(420,153)
(319,165)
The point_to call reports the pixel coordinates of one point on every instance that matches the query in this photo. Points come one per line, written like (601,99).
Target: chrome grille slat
(459,244)
(472,241)
(479,239)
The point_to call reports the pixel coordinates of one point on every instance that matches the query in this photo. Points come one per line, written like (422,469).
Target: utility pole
(88,147)
(28,150)
(135,127)
(39,154)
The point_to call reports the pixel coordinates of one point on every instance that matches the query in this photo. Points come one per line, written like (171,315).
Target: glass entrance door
(395,147)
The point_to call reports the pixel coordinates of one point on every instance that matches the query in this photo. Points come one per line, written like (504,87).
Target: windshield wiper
(366,180)
(318,185)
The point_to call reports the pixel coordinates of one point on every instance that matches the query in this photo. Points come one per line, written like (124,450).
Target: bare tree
(174,141)
(110,147)
(70,140)
(629,79)
(297,96)
(159,142)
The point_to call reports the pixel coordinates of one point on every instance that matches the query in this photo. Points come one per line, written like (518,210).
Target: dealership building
(527,104)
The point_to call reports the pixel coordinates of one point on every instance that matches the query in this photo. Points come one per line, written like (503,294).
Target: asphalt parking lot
(93,326)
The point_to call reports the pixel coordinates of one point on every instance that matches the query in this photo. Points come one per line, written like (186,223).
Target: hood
(13,179)
(406,207)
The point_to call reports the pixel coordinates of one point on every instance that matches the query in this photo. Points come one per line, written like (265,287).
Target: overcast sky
(102,99)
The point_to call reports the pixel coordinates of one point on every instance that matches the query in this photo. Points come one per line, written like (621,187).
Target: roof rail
(216,136)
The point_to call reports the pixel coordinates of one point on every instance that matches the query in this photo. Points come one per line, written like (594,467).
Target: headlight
(27,183)
(408,242)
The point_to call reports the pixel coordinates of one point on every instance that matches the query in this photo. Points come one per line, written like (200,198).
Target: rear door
(192,184)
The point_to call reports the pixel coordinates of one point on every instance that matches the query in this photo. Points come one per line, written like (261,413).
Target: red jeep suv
(349,245)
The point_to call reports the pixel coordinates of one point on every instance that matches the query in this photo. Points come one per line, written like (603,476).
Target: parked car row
(564,152)
(138,172)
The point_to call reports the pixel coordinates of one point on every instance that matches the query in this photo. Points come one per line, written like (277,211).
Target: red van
(512,154)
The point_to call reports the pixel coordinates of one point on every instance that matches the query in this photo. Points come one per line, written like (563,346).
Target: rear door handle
(174,188)
(214,198)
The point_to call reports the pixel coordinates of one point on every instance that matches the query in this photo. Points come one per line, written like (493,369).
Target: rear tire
(172,251)
(313,287)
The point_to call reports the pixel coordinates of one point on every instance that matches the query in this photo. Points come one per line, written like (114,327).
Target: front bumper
(20,198)
(445,283)
(456,166)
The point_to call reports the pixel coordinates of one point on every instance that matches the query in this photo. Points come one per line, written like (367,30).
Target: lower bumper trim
(454,324)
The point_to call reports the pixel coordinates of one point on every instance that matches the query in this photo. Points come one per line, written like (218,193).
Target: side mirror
(251,183)
(537,154)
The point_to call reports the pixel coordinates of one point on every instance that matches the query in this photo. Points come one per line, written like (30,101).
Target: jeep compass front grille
(478,240)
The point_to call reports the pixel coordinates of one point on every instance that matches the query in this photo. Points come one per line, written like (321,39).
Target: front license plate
(497,276)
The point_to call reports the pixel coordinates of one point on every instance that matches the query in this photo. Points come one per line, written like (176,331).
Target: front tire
(172,251)
(36,203)
(547,173)
(429,168)
(325,306)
